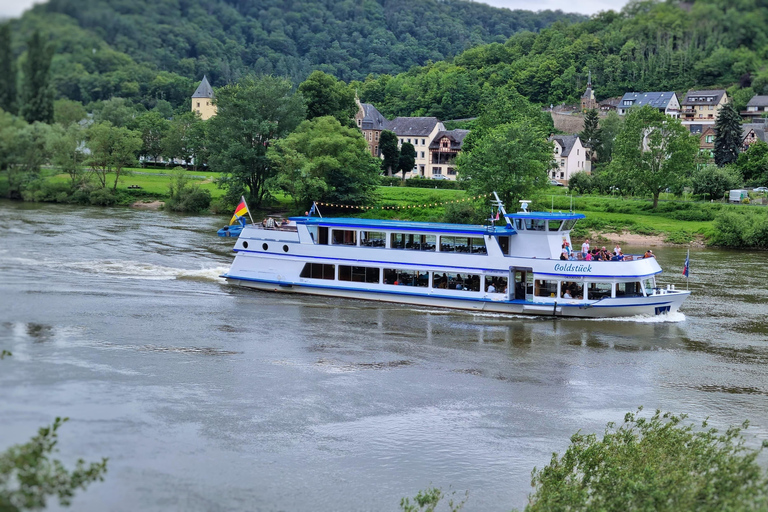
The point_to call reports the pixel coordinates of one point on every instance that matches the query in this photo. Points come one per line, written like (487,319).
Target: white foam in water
(130,269)
(647,319)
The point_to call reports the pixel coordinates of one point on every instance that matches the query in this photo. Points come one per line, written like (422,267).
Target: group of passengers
(596,254)
(572,291)
(470,283)
(270,223)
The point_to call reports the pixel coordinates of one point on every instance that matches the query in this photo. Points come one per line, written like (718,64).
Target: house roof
(758,128)
(703,97)
(411,126)
(204,90)
(566,142)
(758,101)
(372,118)
(456,137)
(611,102)
(658,100)
(588,94)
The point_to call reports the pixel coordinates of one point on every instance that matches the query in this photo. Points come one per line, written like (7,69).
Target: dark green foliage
(28,476)
(727,135)
(153,129)
(390,151)
(326,96)
(712,182)
(465,213)
(252,115)
(653,463)
(741,228)
(428,499)
(113,148)
(591,137)
(580,183)
(419,182)
(36,89)
(407,159)
(325,161)
(67,112)
(185,196)
(185,139)
(8,99)
(753,163)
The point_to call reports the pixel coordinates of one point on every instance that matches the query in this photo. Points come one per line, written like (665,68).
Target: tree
(153,129)
(36,90)
(325,161)
(390,151)
(591,137)
(655,463)
(180,141)
(610,127)
(7,71)
(727,135)
(24,149)
(511,159)
(112,150)
(67,112)
(326,96)
(712,182)
(407,159)
(654,151)
(65,151)
(753,163)
(118,111)
(251,116)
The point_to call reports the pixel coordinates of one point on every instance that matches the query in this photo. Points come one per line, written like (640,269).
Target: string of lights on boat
(405,207)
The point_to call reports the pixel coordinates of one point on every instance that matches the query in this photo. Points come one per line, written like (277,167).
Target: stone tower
(588,98)
(202,100)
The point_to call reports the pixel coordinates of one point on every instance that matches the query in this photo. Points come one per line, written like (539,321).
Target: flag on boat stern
(241,210)
(686,266)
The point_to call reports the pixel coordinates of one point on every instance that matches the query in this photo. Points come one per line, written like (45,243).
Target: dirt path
(633,239)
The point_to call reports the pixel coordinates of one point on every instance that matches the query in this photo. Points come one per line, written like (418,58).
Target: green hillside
(648,46)
(149,50)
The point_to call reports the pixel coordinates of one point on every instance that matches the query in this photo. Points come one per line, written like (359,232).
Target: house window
(711,107)
(710,138)
(437,170)
(451,171)
(359,122)
(198,104)
(409,141)
(422,142)
(562,162)
(422,154)
(577,152)
(377,135)
(376,149)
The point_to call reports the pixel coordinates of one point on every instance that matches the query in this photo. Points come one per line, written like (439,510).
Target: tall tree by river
(7,71)
(37,91)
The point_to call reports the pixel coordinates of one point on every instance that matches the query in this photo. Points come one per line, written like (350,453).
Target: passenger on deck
(567,294)
(649,254)
(491,288)
(585,249)
(617,249)
(564,255)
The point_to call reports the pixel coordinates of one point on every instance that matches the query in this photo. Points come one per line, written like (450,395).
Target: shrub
(102,197)
(185,196)
(581,183)
(463,213)
(655,463)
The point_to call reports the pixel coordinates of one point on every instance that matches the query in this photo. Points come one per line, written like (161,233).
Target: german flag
(241,210)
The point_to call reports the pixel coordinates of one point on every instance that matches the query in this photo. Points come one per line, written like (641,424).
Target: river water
(205,397)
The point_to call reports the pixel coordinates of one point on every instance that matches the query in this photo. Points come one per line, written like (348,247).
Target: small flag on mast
(241,210)
(687,261)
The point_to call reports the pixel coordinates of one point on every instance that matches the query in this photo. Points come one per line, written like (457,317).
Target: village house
(443,150)
(666,102)
(751,133)
(418,131)
(202,100)
(371,122)
(609,104)
(706,143)
(570,157)
(756,108)
(702,107)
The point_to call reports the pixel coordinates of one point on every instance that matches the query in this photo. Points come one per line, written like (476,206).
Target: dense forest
(148,50)
(648,46)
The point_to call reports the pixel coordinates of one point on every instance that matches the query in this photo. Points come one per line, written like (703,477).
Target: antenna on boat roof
(524,205)
(500,209)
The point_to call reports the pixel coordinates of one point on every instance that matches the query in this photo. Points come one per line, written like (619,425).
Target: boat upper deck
(401,225)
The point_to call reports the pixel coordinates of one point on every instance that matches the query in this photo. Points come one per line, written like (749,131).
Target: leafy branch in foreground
(28,476)
(655,463)
(427,500)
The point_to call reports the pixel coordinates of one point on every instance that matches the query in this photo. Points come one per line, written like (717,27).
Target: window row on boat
(323,235)
(544,224)
(538,289)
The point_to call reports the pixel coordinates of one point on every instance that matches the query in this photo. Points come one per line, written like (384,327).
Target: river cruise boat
(514,266)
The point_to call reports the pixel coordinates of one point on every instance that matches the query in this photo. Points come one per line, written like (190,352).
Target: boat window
(322,234)
(462,244)
(554,225)
(373,238)
(575,290)
(413,242)
(318,271)
(568,225)
(649,284)
(455,281)
(519,224)
(544,288)
(358,274)
(344,237)
(538,225)
(629,289)
(597,291)
(312,233)
(402,277)
(504,244)
(499,284)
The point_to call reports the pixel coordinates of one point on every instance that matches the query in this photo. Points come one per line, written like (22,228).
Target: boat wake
(121,269)
(675,317)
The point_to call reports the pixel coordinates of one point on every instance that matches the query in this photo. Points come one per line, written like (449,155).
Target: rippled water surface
(206,397)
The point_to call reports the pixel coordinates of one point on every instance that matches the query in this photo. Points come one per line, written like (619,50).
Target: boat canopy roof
(427,227)
(546,215)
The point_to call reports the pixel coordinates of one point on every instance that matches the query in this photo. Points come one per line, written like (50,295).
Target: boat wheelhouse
(514,267)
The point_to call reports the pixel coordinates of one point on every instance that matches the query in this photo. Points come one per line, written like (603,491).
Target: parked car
(761,189)
(556,183)
(439,177)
